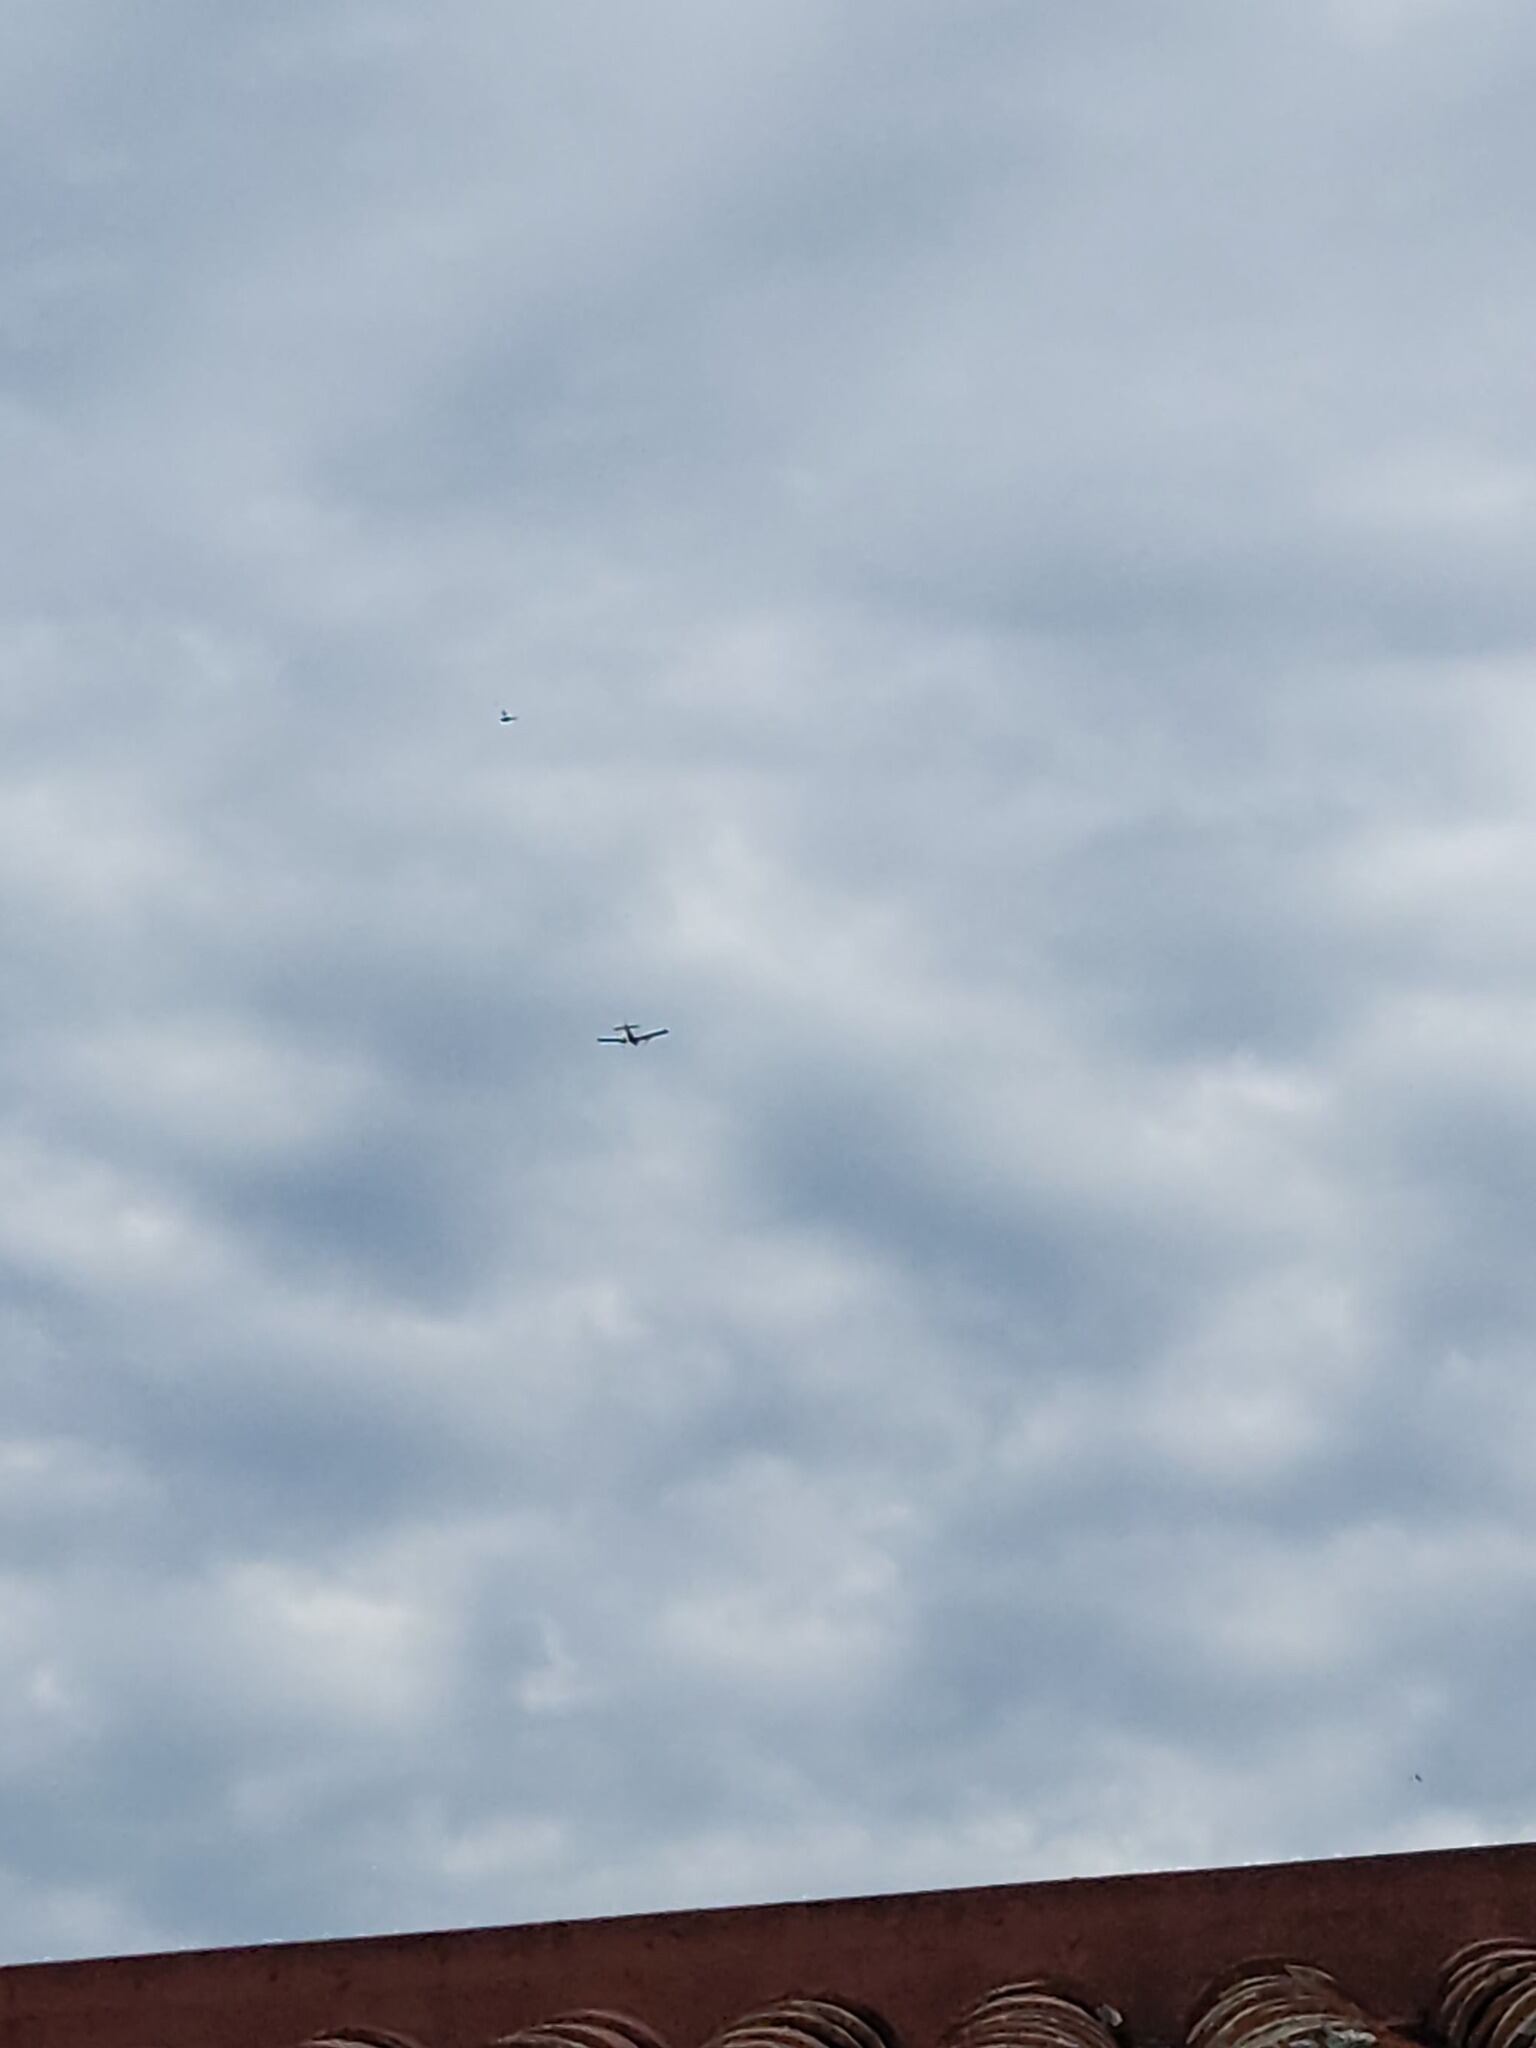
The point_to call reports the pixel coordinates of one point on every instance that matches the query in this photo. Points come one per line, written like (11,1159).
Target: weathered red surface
(1148,1945)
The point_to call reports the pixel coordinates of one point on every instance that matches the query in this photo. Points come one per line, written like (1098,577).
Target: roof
(1136,1958)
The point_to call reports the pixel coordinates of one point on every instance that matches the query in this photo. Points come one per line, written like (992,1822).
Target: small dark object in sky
(509,718)
(626,1034)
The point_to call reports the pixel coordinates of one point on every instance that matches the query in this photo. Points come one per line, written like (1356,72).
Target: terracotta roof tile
(1283,2005)
(1487,1999)
(361,2037)
(1487,1995)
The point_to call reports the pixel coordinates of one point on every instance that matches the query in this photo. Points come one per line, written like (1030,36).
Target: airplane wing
(613,1041)
(645,1037)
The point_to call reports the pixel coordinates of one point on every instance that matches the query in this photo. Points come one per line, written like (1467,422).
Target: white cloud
(1019,619)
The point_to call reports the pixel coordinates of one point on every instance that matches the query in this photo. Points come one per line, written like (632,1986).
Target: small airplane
(509,718)
(628,1035)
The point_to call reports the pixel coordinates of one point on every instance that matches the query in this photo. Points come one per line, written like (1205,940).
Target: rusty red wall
(1381,1924)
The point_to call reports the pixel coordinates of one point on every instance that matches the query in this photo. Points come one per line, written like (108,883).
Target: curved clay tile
(1483,1991)
(360,2037)
(586,2027)
(1035,2012)
(820,2020)
(1282,2004)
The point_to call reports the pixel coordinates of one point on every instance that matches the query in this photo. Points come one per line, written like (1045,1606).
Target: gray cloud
(1007,536)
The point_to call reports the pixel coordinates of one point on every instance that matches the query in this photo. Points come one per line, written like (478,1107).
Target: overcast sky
(1007,528)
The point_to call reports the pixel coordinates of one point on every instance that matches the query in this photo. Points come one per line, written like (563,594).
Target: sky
(1006,528)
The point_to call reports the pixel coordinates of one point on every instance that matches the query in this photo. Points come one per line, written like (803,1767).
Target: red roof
(1358,1949)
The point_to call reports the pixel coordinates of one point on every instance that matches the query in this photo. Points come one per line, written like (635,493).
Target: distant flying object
(509,718)
(628,1035)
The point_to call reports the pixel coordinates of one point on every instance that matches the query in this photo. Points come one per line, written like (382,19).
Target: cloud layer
(1007,532)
